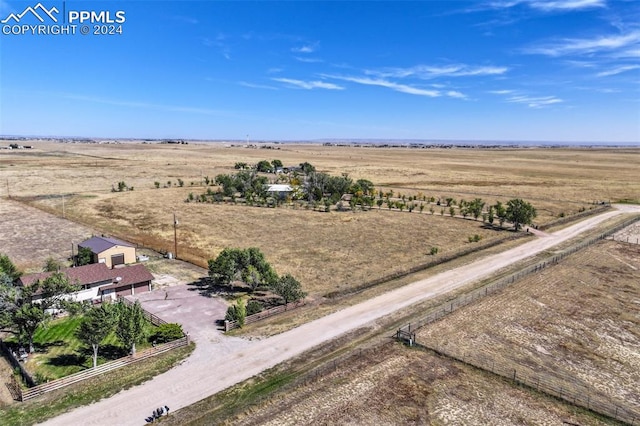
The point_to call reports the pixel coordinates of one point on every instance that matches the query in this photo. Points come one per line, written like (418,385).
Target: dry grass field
(580,318)
(327,252)
(397,385)
(30,236)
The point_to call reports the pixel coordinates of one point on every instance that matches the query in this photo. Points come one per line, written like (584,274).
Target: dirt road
(214,366)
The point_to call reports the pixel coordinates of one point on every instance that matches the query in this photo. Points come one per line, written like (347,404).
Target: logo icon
(34,11)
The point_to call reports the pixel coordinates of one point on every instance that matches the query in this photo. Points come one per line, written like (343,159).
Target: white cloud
(547,5)
(256,86)
(587,46)
(391,85)
(501,92)
(307,48)
(308,60)
(565,5)
(309,84)
(428,71)
(535,102)
(618,70)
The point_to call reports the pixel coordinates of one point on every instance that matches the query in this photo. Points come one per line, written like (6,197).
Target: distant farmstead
(110,251)
(98,282)
(280,191)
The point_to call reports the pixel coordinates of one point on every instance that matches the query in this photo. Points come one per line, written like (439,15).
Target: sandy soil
(208,370)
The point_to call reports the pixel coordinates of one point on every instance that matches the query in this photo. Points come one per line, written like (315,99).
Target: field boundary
(403,273)
(564,387)
(568,219)
(408,331)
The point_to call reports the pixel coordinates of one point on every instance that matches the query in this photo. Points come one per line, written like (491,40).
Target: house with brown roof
(98,282)
(110,251)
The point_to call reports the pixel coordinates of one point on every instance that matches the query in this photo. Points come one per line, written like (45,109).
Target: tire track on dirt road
(210,370)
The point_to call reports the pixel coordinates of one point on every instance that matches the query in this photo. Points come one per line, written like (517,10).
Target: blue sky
(509,70)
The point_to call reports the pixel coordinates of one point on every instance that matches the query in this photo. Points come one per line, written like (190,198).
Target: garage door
(117,259)
(141,287)
(124,291)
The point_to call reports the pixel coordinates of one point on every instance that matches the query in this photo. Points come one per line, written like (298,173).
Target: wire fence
(560,385)
(440,311)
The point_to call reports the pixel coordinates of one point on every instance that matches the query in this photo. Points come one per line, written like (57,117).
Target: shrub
(474,238)
(254,307)
(167,333)
(434,251)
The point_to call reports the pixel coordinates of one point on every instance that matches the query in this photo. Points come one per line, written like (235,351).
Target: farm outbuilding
(110,251)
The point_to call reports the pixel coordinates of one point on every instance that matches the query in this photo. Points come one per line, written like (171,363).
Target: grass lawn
(59,353)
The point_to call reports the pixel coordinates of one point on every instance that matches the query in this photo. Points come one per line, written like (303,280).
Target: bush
(434,251)
(254,307)
(167,333)
(474,238)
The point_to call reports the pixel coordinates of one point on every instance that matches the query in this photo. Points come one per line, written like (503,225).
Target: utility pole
(175,236)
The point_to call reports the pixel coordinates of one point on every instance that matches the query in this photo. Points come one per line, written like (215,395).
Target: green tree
(8,268)
(277,164)
(490,215)
(264,166)
(237,313)
(95,327)
(519,212)
(501,212)
(475,207)
(157,184)
(307,168)
(52,265)
(130,325)
(289,289)
(84,256)
(27,318)
(452,211)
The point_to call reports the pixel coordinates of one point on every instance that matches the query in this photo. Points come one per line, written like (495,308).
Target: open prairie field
(327,252)
(580,318)
(397,385)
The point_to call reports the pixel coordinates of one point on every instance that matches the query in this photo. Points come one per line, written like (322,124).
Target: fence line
(434,314)
(230,325)
(153,318)
(626,239)
(421,267)
(563,385)
(572,218)
(15,363)
(26,394)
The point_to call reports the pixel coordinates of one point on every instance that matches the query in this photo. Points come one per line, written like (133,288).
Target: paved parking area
(185,305)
